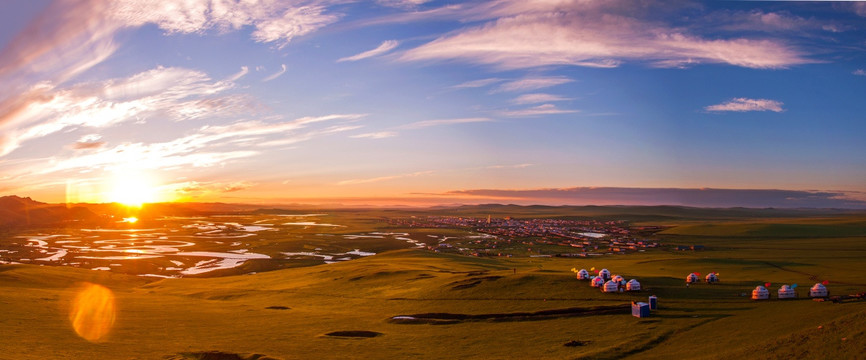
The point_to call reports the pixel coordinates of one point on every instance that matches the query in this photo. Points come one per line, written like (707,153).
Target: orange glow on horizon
(93,312)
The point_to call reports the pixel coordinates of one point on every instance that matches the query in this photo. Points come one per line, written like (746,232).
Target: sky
(420,102)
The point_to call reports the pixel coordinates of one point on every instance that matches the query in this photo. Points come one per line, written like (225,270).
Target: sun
(132,188)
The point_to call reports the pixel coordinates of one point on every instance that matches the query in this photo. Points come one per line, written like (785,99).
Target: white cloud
(276,74)
(176,93)
(402,3)
(274,21)
(209,146)
(535,98)
(546,109)
(382,178)
(593,34)
(239,74)
(533,83)
(859,8)
(375,135)
(744,104)
(859,72)
(428,123)
(516,166)
(385,47)
(477,83)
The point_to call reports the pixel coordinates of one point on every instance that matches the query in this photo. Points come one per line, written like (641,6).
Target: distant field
(453,306)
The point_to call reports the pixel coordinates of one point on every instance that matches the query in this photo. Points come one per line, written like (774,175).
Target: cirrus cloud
(589,34)
(385,47)
(745,104)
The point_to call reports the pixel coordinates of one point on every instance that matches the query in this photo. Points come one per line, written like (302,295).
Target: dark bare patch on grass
(217,355)
(575,343)
(470,283)
(449,318)
(354,334)
(278,307)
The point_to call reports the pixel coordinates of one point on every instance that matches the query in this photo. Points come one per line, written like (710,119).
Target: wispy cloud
(206,147)
(406,4)
(545,109)
(533,83)
(593,34)
(276,74)
(383,178)
(515,166)
(175,93)
(859,72)
(375,135)
(385,47)
(537,98)
(273,21)
(477,83)
(744,104)
(239,74)
(429,123)
(237,186)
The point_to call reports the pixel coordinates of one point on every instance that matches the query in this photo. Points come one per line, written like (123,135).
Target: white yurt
(596,281)
(692,278)
(818,290)
(605,274)
(786,292)
(610,286)
(583,274)
(760,293)
(632,285)
(712,278)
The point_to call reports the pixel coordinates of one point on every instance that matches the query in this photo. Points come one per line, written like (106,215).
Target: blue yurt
(640,309)
(596,281)
(712,278)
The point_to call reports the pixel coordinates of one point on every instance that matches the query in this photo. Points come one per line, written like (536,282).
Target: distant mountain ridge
(24,211)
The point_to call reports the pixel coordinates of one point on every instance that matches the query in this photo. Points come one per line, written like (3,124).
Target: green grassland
(484,308)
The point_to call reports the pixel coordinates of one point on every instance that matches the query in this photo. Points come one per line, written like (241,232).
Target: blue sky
(429,102)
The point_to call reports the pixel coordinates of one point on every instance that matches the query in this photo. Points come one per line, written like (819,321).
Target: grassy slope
(167,317)
(229,313)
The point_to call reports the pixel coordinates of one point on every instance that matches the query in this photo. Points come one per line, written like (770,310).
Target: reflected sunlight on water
(93,312)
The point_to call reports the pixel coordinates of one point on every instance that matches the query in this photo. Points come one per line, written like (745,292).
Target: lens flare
(93,312)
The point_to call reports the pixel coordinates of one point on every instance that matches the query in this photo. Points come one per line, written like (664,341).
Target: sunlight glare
(93,312)
(131,220)
(132,189)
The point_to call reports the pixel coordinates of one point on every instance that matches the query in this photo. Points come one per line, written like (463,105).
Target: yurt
(760,293)
(604,274)
(712,278)
(818,290)
(632,285)
(692,278)
(786,292)
(610,286)
(583,274)
(618,279)
(596,281)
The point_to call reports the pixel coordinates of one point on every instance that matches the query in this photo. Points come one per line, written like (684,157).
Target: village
(535,237)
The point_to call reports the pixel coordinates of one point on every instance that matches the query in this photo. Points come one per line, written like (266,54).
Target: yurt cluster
(817,291)
(606,282)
